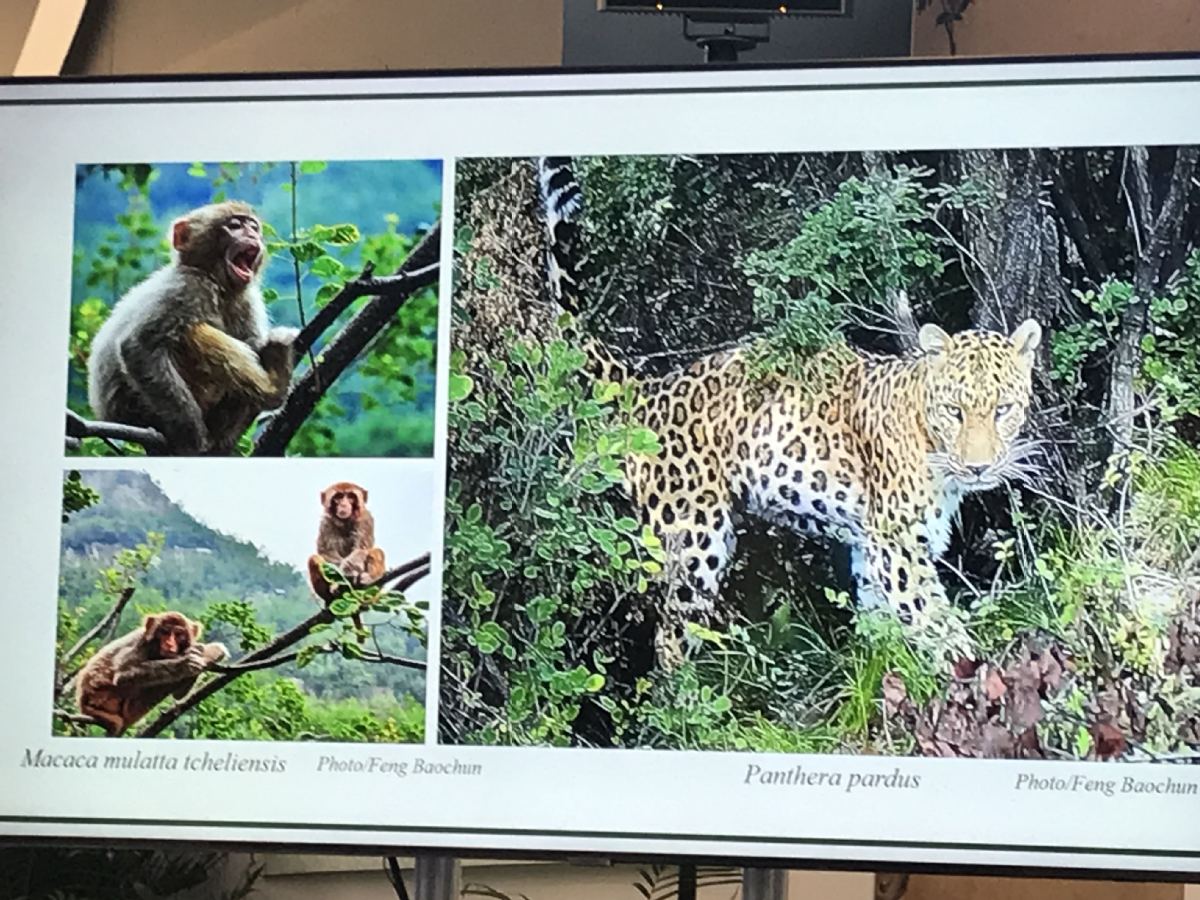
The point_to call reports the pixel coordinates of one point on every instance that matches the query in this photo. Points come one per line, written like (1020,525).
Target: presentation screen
(766,465)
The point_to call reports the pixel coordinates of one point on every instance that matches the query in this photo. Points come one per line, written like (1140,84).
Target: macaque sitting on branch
(188,352)
(346,541)
(130,676)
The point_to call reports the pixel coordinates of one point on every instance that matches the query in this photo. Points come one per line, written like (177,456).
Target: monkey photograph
(154,560)
(254,309)
(346,541)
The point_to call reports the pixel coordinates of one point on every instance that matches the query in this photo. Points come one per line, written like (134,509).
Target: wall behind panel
(120,37)
(942,887)
(1057,27)
(15,16)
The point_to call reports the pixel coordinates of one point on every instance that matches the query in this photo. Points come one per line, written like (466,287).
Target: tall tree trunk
(1014,241)
(1156,218)
(1014,264)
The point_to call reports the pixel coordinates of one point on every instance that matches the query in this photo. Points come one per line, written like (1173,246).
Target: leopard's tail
(561,200)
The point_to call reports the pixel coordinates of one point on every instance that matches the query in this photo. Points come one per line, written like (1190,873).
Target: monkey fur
(345,540)
(189,352)
(131,675)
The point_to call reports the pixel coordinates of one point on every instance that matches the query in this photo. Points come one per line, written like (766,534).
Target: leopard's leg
(698,552)
(893,568)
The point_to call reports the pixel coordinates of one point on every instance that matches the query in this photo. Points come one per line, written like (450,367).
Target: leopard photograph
(865,452)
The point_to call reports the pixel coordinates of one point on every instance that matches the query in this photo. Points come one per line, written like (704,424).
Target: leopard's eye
(1003,409)
(954,412)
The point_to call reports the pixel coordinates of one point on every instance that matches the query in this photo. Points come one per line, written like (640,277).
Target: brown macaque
(346,540)
(189,352)
(130,676)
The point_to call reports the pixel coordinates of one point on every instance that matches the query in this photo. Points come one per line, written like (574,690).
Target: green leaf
(326,292)
(460,387)
(312,167)
(489,637)
(326,267)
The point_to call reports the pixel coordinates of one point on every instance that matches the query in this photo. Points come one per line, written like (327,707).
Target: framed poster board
(780,465)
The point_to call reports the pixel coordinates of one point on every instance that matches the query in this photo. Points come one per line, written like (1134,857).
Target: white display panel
(395,782)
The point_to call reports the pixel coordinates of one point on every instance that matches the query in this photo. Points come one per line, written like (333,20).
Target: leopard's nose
(978,470)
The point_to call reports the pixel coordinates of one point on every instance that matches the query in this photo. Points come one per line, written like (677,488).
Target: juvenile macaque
(188,351)
(130,676)
(346,540)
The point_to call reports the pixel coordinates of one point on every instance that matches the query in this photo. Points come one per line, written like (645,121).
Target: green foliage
(1171,360)
(76,495)
(872,239)
(264,707)
(535,400)
(1166,512)
(1170,349)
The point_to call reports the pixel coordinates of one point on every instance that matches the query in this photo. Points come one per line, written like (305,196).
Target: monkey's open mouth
(242,264)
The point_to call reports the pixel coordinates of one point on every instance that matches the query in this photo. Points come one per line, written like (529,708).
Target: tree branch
(426,253)
(390,294)
(285,658)
(328,313)
(240,668)
(76,719)
(395,661)
(270,655)
(1076,226)
(111,617)
(409,580)
(294,635)
(404,569)
(418,562)
(79,428)
(1170,214)
(902,315)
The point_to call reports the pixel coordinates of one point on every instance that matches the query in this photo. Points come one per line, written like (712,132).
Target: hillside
(196,558)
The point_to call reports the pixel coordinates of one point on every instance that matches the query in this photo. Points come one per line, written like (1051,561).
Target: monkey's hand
(354,567)
(214,652)
(278,359)
(194,660)
(282,334)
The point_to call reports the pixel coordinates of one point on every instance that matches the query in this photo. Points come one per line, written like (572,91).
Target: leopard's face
(977,392)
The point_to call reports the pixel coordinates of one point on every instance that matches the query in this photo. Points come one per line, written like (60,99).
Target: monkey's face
(169,635)
(343,505)
(224,240)
(344,501)
(244,250)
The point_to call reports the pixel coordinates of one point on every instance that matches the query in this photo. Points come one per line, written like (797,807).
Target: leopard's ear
(932,340)
(1027,338)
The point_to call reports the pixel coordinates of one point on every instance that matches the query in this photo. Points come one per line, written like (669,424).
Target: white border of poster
(478,800)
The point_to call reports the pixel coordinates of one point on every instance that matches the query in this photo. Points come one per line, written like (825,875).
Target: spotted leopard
(878,457)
